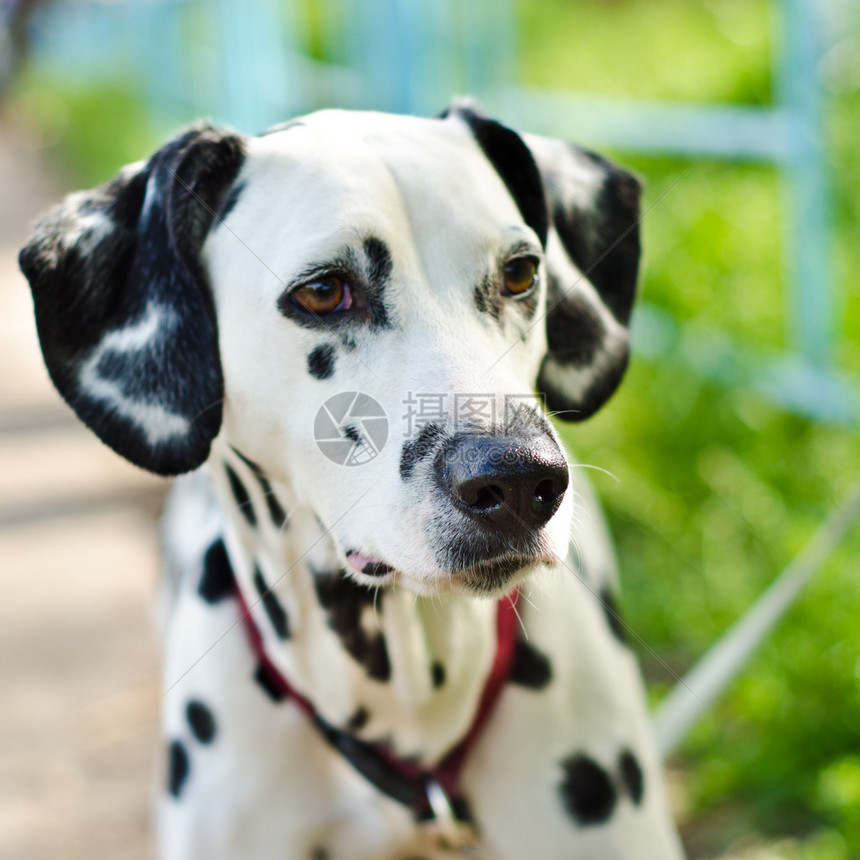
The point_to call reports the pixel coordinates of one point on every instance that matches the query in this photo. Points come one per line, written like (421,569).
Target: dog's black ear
(585,211)
(592,263)
(512,160)
(123,308)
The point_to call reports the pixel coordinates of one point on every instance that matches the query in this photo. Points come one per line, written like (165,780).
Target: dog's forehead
(364,168)
(325,183)
(368,138)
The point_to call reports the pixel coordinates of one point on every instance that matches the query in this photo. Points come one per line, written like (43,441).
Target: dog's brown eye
(520,275)
(323,296)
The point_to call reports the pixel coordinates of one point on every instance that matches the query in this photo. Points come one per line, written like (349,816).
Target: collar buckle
(444,827)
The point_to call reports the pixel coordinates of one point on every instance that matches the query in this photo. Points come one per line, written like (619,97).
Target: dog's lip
(362,563)
(511,562)
(495,577)
(480,574)
(525,556)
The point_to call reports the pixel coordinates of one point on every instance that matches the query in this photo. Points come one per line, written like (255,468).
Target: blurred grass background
(716,488)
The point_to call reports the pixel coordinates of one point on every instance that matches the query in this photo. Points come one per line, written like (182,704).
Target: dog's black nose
(507,485)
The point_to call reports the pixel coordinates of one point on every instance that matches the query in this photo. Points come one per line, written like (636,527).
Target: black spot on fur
(632,776)
(177,767)
(587,791)
(575,331)
(488,300)
(359,719)
(418,448)
(437,673)
(217,582)
(272,605)
(481,301)
(515,164)
(576,338)
(599,232)
(241,497)
(201,721)
(277,514)
(230,201)
(380,259)
(380,272)
(268,684)
(345,601)
(603,241)
(613,616)
(603,385)
(530,668)
(321,361)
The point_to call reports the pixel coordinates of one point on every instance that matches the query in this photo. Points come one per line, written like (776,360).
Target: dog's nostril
(478,495)
(546,493)
(488,498)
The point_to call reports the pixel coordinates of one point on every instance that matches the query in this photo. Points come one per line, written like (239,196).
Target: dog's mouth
(486,577)
(494,577)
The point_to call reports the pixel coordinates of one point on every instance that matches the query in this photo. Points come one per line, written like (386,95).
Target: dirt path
(78,565)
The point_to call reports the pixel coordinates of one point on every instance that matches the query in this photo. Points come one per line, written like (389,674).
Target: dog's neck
(384,664)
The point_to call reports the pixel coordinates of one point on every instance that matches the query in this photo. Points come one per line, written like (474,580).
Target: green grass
(672,49)
(717,489)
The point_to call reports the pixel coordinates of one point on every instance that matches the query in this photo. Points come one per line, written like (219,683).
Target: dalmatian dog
(391,631)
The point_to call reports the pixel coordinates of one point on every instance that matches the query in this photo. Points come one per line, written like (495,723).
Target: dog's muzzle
(509,487)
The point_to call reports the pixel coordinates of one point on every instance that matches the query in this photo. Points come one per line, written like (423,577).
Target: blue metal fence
(251,64)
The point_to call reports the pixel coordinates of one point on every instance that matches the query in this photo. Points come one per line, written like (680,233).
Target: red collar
(405,782)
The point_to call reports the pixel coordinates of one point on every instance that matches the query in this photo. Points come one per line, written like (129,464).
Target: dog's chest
(389,667)
(560,712)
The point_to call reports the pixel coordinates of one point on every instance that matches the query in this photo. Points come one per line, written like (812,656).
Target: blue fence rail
(253,64)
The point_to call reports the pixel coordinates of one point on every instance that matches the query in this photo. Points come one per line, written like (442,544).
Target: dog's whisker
(212,405)
(594,468)
(376,615)
(556,413)
(583,517)
(573,544)
(527,598)
(520,621)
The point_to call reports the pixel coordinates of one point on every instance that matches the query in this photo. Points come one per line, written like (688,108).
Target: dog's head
(344,280)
